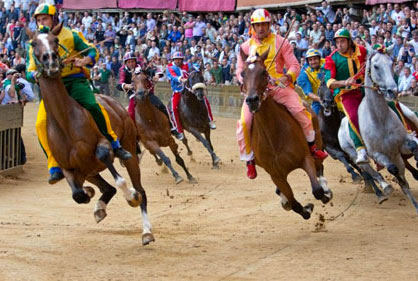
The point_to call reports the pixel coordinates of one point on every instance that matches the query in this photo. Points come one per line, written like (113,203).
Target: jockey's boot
(122,153)
(317,153)
(251,171)
(55,175)
(362,157)
(212,125)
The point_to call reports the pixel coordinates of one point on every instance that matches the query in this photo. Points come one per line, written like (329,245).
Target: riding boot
(251,171)
(317,153)
(179,136)
(120,152)
(362,157)
(56,175)
(212,125)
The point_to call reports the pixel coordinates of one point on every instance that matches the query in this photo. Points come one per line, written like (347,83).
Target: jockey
(344,67)
(177,74)
(125,84)
(310,77)
(262,40)
(75,80)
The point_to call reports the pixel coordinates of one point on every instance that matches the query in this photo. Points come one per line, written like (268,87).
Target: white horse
(382,131)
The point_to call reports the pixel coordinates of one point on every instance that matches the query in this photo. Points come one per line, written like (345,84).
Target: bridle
(189,86)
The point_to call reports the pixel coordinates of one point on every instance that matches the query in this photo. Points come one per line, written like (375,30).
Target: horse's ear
(243,55)
(265,55)
(29,32)
(369,49)
(56,30)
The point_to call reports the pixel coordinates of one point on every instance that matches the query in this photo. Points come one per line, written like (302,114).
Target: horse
(76,142)
(278,141)
(153,127)
(329,118)
(194,115)
(383,133)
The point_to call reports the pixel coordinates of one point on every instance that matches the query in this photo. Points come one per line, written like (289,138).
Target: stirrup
(122,153)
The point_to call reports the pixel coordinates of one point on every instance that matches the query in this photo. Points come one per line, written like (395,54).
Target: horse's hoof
(147,238)
(192,180)
(387,190)
(99,215)
(81,197)
(215,167)
(393,169)
(190,153)
(382,199)
(327,197)
(307,211)
(318,192)
(159,162)
(356,178)
(286,205)
(179,179)
(216,160)
(136,201)
(89,191)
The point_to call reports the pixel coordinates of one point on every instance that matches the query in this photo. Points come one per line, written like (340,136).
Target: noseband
(40,66)
(193,87)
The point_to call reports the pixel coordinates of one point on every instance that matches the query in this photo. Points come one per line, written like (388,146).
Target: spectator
(198,29)
(326,10)
(216,72)
(404,82)
(226,72)
(104,75)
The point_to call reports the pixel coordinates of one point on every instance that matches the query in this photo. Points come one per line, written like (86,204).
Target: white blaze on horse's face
(49,58)
(382,75)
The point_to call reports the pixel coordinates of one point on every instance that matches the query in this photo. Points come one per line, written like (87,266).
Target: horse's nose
(252,99)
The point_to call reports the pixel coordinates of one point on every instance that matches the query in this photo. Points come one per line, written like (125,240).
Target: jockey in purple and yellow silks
(261,41)
(75,80)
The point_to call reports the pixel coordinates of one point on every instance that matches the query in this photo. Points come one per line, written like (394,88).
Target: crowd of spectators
(213,39)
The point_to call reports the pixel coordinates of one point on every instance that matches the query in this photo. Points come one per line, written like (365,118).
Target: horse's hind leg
(284,190)
(320,188)
(408,166)
(186,144)
(130,194)
(167,162)
(158,160)
(387,188)
(76,183)
(341,156)
(369,182)
(108,192)
(180,161)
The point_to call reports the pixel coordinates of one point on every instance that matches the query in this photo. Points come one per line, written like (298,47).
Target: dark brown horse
(153,128)
(194,115)
(76,142)
(278,141)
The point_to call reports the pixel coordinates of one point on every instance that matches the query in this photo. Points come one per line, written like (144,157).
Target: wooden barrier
(11,120)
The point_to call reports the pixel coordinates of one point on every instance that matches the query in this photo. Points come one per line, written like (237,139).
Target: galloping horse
(75,141)
(329,118)
(153,127)
(194,115)
(383,133)
(278,141)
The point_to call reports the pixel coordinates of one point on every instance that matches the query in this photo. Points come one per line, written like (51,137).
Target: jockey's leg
(316,107)
(210,116)
(155,101)
(243,133)
(289,98)
(79,89)
(350,102)
(397,109)
(41,130)
(175,101)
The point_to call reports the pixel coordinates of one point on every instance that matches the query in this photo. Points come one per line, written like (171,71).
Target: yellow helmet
(260,15)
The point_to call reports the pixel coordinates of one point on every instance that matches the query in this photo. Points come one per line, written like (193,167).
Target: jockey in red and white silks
(177,74)
(261,41)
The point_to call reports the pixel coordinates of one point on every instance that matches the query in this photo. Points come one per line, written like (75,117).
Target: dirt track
(224,228)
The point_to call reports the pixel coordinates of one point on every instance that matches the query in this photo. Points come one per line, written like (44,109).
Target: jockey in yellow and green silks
(75,79)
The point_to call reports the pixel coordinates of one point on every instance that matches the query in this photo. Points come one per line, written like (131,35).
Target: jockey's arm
(305,84)
(31,69)
(89,57)
(292,64)
(330,74)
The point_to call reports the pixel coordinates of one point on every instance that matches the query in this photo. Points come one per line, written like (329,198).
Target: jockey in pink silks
(262,40)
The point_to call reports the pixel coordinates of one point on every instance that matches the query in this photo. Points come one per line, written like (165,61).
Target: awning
(148,4)
(89,4)
(206,6)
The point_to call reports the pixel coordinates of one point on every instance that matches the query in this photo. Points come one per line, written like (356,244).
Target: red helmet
(129,56)
(178,55)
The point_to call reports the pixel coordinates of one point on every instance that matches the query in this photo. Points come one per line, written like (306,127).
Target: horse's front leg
(174,148)
(76,183)
(186,144)
(199,137)
(319,185)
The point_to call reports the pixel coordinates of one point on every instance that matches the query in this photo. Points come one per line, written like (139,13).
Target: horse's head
(255,77)
(142,83)
(326,97)
(45,51)
(380,72)
(196,83)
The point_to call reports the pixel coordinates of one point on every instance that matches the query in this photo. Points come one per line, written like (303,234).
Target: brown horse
(153,127)
(76,142)
(278,141)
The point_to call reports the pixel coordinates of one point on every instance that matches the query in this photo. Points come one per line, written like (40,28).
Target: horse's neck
(57,102)
(377,104)
(193,104)
(145,108)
